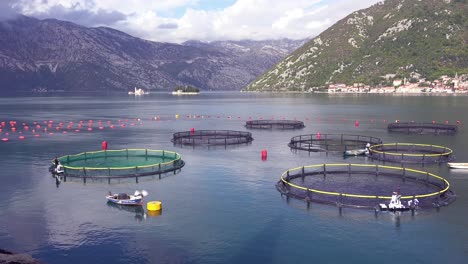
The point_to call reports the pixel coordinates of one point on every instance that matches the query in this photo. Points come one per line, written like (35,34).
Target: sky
(205,20)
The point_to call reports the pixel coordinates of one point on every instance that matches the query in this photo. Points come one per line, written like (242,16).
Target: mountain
(52,55)
(401,38)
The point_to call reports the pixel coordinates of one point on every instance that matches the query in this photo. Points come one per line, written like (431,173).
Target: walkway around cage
(117,165)
(331,142)
(363,185)
(274,124)
(212,137)
(423,128)
(411,153)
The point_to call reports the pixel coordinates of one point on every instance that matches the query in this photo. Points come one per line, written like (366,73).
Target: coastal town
(444,85)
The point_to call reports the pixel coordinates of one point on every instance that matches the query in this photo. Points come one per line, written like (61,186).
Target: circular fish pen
(274,124)
(125,165)
(212,138)
(411,153)
(364,185)
(331,142)
(422,128)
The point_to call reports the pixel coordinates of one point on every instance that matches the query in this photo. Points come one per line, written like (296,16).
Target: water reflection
(138,210)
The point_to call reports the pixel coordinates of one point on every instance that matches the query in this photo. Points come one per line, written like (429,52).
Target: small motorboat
(127,199)
(385,207)
(395,204)
(356,152)
(457,165)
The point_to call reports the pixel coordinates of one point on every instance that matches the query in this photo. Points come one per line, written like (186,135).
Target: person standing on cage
(53,167)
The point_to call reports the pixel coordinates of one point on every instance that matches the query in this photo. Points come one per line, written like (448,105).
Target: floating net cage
(274,124)
(212,137)
(123,165)
(364,185)
(411,153)
(423,128)
(331,142)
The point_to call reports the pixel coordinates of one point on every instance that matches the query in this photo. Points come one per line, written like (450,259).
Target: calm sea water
(223,206)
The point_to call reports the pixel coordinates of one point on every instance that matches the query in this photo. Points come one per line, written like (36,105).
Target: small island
(185,90)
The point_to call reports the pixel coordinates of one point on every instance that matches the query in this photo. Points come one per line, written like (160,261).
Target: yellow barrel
(154,206)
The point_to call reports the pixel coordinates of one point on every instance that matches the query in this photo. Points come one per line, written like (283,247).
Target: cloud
(81,13)
(244,19)
(168,26)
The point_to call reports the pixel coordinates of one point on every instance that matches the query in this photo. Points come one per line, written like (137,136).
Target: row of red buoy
(48,125)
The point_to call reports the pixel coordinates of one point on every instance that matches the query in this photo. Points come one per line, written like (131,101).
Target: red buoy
(21,137)
(356,123)
(4,139)
(264,154)
(104,145)
(318,135)
(192,130)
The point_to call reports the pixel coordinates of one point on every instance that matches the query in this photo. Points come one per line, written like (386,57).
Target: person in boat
(367,148)
(56,162)
(59,169)
(413,203)
(395,200)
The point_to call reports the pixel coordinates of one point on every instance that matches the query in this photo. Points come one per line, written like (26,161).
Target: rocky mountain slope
(52,55)
(408,38)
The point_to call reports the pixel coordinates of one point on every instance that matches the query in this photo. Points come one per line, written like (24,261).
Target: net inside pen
(120,164)
(422,128)
(274,124)
(212,137)
(411,153)
(331,142)
(363,185)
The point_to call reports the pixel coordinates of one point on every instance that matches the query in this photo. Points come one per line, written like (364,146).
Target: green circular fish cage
(107,165)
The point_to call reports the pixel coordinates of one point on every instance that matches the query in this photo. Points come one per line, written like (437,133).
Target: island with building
(185,90)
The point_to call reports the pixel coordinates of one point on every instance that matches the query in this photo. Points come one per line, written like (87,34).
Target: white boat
(457,165)
(127,199)
(395,205)
(138,91)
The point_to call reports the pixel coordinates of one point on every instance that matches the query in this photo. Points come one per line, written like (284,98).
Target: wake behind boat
(457,165)
(355,152)
(126,199)
(358,152)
